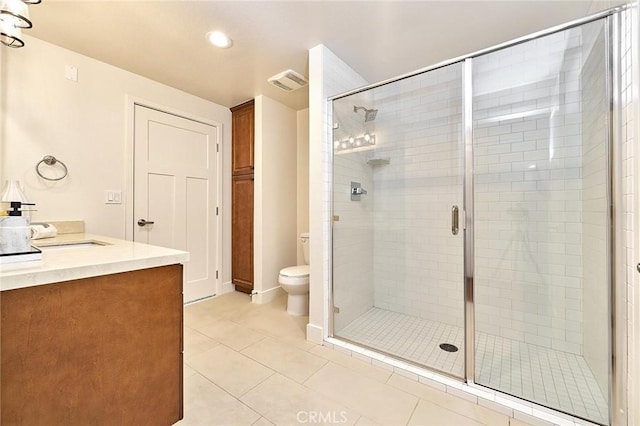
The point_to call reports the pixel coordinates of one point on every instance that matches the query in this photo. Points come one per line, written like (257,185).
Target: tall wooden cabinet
(242,196)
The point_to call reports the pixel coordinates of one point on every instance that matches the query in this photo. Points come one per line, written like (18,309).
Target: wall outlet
(112,196)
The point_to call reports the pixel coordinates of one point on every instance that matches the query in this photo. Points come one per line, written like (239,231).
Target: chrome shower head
(369,114)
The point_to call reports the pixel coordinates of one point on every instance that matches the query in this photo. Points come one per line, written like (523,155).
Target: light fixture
(219,39)
(367,140)
(15,12)
(10,36)
(14,16)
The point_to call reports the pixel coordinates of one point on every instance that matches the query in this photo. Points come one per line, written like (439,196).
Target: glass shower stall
(471,229)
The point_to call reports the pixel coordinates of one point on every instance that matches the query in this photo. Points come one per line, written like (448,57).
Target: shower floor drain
(448,347)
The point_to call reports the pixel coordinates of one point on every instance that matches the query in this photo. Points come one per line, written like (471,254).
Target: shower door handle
(454,220)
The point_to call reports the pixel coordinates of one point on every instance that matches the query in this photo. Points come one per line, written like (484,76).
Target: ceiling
(165,40)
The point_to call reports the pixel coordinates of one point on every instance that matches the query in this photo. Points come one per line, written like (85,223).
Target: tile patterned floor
(552,378)
(248,364)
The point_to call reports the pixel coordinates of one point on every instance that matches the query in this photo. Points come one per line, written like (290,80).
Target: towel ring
(50,160)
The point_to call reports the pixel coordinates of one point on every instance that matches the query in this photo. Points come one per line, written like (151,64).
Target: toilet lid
(296,271)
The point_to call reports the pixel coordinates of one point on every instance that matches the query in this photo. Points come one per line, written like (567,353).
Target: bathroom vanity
(92,334)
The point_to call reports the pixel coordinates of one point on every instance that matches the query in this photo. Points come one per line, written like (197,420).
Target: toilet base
(298,304)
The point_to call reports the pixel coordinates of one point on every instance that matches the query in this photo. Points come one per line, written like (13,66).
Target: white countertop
(72,263)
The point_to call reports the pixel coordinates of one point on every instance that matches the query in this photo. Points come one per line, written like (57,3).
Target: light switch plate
(71,73)
(112,196)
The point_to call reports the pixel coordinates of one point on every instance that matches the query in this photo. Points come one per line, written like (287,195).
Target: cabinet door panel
(94,351)
(242,233)
(243,130)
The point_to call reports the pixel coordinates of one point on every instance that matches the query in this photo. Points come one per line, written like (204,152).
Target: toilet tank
(304,239)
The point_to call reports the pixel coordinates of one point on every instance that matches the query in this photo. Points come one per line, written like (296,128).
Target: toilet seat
(294,275)
(299,271)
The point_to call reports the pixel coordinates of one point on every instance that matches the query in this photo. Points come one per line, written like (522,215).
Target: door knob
(142,222)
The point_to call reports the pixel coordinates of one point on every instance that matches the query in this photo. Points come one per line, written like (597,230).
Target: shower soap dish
(378,161)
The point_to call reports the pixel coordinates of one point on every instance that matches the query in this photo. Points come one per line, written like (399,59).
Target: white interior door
(175,192)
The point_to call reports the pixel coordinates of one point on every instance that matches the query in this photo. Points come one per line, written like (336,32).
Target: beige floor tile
(466,408)
(285,402)
(380,402)
(196,343)
(187,371)
(262,422)
(197,318)
(206,404)
(365,421)
(516,422)
(377,373)
(525,419)
(231,334)
(298,342)
(292,362)
(276,323)
(429,414)
(229,369)
(230,306)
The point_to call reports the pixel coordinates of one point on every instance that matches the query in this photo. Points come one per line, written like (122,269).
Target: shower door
(540,142)
(398,176)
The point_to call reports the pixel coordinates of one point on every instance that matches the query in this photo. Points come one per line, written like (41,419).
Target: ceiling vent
(288,80)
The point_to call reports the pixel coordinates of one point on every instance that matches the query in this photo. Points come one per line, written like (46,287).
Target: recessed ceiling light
(219,39)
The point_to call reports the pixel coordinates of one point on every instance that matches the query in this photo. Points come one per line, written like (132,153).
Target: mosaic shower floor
(546,376)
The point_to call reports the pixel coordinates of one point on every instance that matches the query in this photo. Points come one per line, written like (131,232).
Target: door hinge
(216,275)
(216,211)
(217,147)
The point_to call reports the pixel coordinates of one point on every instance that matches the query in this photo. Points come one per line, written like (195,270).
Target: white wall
(303,177)
(328,76)
(85,124)
(275,201)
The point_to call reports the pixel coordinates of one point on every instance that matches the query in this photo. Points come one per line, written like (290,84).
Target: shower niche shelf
(378,162)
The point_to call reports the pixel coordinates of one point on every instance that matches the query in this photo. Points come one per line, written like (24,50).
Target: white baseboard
(228,287)
(315,334)
(267,296)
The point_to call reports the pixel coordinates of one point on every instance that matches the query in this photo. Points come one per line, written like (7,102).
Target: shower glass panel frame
(477,205)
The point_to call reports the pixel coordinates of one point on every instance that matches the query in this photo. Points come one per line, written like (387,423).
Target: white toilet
(295,281)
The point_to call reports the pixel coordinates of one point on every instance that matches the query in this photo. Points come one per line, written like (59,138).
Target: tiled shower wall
(528,192)
(352,236)
(418,267)
(595,130)
(529,195)
(353,220)
(627,308)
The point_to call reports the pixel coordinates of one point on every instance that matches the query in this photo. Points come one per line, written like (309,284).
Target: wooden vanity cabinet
(242,196)
(103,350)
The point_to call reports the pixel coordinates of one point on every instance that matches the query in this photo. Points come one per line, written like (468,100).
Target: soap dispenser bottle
(15,235)
(12,191)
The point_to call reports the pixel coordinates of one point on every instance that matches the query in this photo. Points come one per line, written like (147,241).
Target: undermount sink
(71,245)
